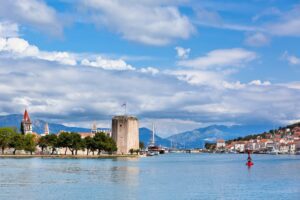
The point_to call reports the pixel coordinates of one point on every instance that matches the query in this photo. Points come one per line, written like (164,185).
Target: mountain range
(189,139)
(198,137)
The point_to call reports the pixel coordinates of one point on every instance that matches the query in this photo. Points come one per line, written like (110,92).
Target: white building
(221,144)
(239,147)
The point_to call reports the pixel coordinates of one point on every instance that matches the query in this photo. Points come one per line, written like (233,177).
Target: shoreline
(70,156)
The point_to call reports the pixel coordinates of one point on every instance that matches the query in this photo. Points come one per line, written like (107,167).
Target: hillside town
(281,141)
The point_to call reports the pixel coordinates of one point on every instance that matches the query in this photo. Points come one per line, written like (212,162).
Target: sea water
(169,176)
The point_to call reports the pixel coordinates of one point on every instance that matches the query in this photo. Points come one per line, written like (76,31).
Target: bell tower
(46,129)
(26,124)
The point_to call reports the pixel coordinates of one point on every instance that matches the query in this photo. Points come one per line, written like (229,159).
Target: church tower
(94,128)
(26,125)
(46,131)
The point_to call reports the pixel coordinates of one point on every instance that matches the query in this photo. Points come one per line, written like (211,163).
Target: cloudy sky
(182,64)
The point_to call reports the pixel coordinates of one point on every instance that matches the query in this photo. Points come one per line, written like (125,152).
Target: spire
(26,117)
(94,128)
(26,125)
(46,131)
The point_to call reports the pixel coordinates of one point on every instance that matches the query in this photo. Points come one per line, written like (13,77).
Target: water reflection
(125,175)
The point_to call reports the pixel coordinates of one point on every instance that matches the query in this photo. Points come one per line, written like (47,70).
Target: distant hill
(198,137)
(146,135)
(37,124)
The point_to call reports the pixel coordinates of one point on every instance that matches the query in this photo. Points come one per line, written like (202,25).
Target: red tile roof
(26,117)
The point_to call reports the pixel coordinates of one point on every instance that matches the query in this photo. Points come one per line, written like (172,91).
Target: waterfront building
(26,125)
(284,148)
(221,144)
(125,132)
(292,147)
(239,146)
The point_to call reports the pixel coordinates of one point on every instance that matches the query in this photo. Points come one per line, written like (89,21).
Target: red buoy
(249,160)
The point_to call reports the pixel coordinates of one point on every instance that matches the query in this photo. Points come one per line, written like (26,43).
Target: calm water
(172,176)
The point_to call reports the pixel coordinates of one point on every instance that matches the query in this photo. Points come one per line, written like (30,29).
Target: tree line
(10,138)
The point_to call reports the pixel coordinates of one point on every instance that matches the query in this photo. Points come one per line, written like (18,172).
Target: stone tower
(125,132)
(26,124)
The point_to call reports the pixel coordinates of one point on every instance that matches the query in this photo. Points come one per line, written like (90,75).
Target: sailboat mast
(153,138)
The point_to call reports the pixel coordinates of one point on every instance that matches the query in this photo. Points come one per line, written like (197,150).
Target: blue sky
(183,64)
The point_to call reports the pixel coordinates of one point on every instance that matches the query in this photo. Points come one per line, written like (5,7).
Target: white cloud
(107,64)
(216,108)
(272,11)
(165,127)
(260,83)
(288,24)
(211,18)
(35,13)
(208,17)
(151,70)
(199,77)
(292,60)
(234,85)
(18,47)
(182,53)
(141,21)
(220,58)
(8,29)
(257,40)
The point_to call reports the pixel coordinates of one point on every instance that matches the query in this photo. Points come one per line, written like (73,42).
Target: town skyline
(191,64)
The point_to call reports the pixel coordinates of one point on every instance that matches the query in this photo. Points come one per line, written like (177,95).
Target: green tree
(141,145)
(43,143)
(131,151)
(100,141)
(52,141)
(16,142)
(75,142)
(64,140)
(29,143)
(110,145)
(90,145)
(5,137)
(137,151)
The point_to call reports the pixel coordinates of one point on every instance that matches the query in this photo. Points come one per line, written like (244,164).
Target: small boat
(150,153)
(273,152)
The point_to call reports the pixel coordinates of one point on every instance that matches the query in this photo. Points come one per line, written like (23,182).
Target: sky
(182,64)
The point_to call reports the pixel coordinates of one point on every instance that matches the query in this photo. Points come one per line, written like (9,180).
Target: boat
(273,151)
(150,153)
(152,148)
